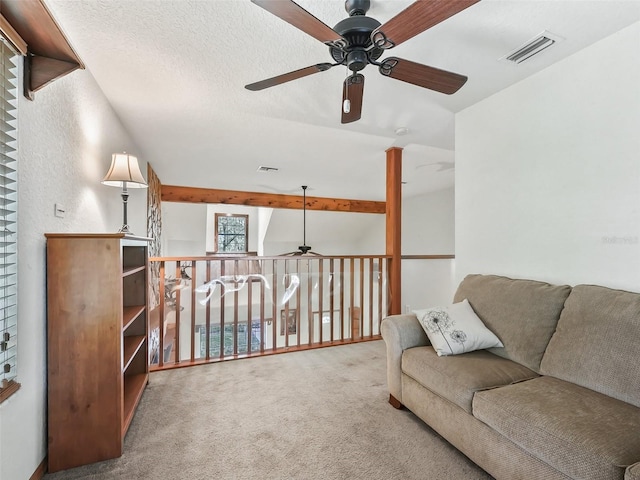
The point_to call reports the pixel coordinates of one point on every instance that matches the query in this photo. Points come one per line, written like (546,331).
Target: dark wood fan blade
(415,19)
(422,75)
(287,77)
(297,16)
(352,91)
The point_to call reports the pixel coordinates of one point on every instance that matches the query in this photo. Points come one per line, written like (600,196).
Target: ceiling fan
(359,40)
(303,249)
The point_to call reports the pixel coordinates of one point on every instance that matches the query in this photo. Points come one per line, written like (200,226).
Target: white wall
(184,229)
(189,229)
(428,228)
(548,172)
(328,233)
(66,138)
(264,219)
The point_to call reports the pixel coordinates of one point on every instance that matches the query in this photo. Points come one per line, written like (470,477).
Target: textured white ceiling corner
(174,72)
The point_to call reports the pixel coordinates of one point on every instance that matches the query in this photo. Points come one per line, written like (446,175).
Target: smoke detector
(531,48)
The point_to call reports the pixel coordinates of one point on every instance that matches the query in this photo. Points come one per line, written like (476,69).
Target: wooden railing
(208,309)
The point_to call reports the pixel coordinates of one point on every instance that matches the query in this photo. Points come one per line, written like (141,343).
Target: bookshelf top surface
(97,235)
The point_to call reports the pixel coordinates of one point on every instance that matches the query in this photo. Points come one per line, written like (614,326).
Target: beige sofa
(561,400)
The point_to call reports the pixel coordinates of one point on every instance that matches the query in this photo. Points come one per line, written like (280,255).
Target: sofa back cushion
(522,313)
(597,342)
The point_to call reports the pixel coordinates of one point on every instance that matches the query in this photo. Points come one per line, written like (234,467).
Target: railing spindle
(286,284)
(262,323)
(298,305)
(193,310)
(274,337)
(161,317)
(380,286)
(362,310)
(371,287)
(310,303)
(223,290)
(207,316)
(331,278)
(236,297)
(321,297)
(249,314)
(176,340)
(342,321)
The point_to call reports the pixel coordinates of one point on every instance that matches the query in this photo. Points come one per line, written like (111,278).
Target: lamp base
(125,229)
(125,198)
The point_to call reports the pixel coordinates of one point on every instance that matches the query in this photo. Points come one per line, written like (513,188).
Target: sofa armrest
(632,472)
(400,332)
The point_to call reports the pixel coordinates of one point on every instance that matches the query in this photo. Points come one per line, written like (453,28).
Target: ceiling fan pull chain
(346,104)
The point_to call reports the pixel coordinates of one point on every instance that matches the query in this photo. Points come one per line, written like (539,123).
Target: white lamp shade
(124,168)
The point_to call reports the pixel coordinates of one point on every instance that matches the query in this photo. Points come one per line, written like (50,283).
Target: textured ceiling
(175,70)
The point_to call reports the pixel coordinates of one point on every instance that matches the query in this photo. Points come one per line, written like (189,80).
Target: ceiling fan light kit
(358,41)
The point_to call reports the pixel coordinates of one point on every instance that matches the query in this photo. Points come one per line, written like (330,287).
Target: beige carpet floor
(318,414)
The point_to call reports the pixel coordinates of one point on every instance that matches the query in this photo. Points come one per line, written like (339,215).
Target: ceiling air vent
(531,48)
(262,168)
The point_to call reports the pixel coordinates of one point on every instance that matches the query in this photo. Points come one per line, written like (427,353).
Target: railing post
(393,225)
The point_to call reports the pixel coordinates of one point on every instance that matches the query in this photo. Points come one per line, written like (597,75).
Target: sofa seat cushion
(458,377)
(579,432)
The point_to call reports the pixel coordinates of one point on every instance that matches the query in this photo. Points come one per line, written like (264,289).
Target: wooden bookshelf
(97,317)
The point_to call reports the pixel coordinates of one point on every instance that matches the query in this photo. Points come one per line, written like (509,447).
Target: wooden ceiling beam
(172,193)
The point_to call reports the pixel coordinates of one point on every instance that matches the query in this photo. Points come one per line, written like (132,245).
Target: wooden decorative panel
(154,231)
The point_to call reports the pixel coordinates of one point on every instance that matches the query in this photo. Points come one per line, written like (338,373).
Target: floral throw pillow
(456,329)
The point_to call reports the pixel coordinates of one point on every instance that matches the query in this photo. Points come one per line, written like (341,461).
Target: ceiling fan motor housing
(356,30)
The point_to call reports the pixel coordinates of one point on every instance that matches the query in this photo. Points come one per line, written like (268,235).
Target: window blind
(8,220)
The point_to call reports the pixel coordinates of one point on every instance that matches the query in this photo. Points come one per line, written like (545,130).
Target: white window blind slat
(7,137)
(8,95)
(5,169)
(7,71)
